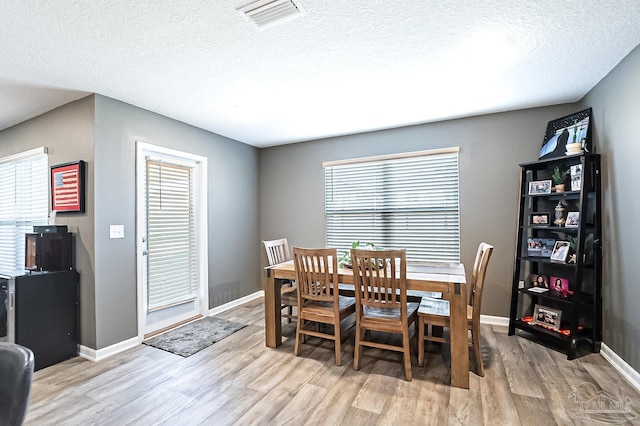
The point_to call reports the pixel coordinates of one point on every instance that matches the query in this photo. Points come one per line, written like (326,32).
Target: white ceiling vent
(265,13)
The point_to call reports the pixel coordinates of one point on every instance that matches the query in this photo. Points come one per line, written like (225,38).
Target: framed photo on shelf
(576,177)
(540,187)
(560,251)
(573,220)
(560,286)
(547,317)
(539,219)
(574,128)
(541,247)
(539,281)
(68,187)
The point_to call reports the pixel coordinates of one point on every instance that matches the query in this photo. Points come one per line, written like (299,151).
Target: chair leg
(337,340)
(296,348)
(357,350)
(290,313)
(475,338)
(407,354)
(420,342)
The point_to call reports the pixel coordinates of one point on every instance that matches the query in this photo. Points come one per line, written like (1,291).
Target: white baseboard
(493,320)
(100,354)
(235,303)
(632,376)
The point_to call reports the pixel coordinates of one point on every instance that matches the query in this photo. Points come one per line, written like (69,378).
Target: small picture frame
(539,219)
(573,220)
(540,281)
(560,251)
(547,317)
(540,187)
(540,247)
(576,177)
(560,286)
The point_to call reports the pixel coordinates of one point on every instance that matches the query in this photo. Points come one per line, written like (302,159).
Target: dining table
(446,278)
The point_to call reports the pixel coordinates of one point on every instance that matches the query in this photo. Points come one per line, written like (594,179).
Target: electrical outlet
(116,231)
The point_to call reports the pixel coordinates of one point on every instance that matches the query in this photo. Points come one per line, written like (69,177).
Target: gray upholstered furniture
(16,370)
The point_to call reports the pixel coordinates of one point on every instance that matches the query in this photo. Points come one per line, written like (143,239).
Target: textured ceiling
(342,67)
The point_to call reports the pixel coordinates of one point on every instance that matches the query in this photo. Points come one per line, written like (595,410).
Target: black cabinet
(42,314)
(557,277)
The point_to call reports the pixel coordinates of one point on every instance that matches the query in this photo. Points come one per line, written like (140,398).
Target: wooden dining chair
(277,251)
(319,300)
(380,278)
(435,312)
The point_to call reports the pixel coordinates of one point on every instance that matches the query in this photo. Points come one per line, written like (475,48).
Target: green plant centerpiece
(559,177)
(344,261)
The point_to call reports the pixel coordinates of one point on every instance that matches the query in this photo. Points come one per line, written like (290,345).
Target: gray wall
(616,112)
(491,147)
(234,252)
(67,132)
(103,132)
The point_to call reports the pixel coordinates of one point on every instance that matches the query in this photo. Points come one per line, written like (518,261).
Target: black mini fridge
(40,312)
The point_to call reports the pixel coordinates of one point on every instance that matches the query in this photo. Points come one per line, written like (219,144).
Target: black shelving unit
(579,302)
(42,314)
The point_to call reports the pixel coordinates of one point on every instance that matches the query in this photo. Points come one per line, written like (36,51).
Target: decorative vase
(560,187)
(559,214)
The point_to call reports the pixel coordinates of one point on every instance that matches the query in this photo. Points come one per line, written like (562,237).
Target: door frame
(202,237)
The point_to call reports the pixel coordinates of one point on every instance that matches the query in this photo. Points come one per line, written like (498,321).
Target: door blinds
(171,258)
(407,202)
(24,195)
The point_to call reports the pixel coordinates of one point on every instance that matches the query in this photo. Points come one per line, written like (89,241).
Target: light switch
(116,231)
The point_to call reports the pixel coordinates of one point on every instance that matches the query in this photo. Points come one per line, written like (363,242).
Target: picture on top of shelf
(547,317)
(539,219)
(573,220)
(560,251)
(539,281)
(576,177)
(574,128)
(540,187)
(541,247)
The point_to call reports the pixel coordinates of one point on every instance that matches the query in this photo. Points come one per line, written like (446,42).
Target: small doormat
(194,337)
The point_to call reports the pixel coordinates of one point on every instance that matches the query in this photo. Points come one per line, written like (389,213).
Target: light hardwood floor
(240,381)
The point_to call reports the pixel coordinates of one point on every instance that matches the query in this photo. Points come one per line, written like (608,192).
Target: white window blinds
(171,268)
(24,202)
(408,202)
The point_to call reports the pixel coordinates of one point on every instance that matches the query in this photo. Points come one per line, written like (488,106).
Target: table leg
(459,336)
(272,312)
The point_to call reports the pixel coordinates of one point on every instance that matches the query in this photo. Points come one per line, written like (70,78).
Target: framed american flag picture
(67,187)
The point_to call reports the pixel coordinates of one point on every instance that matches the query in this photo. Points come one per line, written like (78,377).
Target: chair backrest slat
(277,251)
(314,268)
(381,277)
(479,272)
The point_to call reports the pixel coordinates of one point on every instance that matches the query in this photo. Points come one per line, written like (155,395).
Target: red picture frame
(67,187)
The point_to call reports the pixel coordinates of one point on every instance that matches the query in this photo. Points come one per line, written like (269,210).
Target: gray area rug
(194,337)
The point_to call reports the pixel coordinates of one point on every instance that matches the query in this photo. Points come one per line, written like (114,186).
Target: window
(401,201)
(24,191)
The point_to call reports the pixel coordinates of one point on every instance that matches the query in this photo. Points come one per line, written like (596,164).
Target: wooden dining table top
(420,275)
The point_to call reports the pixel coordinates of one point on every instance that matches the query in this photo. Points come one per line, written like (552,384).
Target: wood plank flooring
(241,381)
